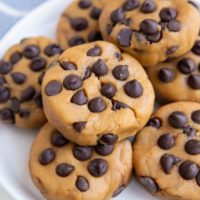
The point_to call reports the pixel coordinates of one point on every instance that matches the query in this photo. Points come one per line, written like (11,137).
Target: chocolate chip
(166,75)
(97,105)
(84,4)
(40,79)
(167,162)
(133,89)
(166,141)
(154,38)
(58,140)
(98,167)
(87,74)
(82,153)
(47,156)
(38,100)
(109,138)
(5,67)
(149,183)
(28,94)
(14,105)
(188,170)
(7,116)
(192,147)
(82,184)
(155,122)
(95,51)
(52,49)
(79,24)
(148,6)
(118,56)
(72,82)
(149,27)
(130,5)
(4,94)
(15,57)
(104,149)
(194,81)
(121,72)
(100,68)
(53,88)
(76,40)
(177,119)
(119,190)
(78,126)
(126,21)
(68,65)
(94,36)
(172,50)
(24,113)
(174,26)
(190,131)
(196,116)
(117,105)
(18,77)
(64,169)
(124,37)
(196,48)
(168,14)
(2,80)
(109,29)
(198,179)
(95,13)
(38,64)
(186,65)
(108,90)
(79,98)
(117,15)
(31,51)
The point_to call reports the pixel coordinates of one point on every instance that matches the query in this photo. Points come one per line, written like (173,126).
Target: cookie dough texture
(179,79)
(79,23)
(62,170)
(21,72)
(94,90)
(166,153)
(151,30)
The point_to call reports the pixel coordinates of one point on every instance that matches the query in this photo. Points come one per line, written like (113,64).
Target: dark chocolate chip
(28,94)
(167,162)
(97,105)
(155,122)
(100,68)
(174,26)
(84,4)
(190,131)
(31,51)
(94,36)
(79,126)
(82,153)
(79,98)
(148,6)
(192,147)
(87,74)
(108,90)
(24,113)
(196,116)
(117,105)
(168,14)
(40,79)
(154,38)
(124,37)
(82,184)
(64,169)
(121,72)
(166,141)
(149,27)
(166,75)
(47,156)
(53,88)
(52,49)
(72,82)
(7,116)
(104,149)
(38,100)
(177,119)
(5,67)
(95,51)
(95,13)
(130,5)
(68,65)
(75,41)
(186,65)
(4,94)
(98,167)
(117,15)
(133,89)
(172,50)
(194,81)
(79,24)
(109,138)
(149,183)
(118,56)
(196,48)
(198,179)
(38,64)
(188,170)
(119,190)
(58,140)
(18,77)
(14,105)
(15,57)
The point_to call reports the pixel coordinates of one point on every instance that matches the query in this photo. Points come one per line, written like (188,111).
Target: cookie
(21,73)
(96,93)
(151,30)
(166,153)
(178,79)
(65,171)
(79,23)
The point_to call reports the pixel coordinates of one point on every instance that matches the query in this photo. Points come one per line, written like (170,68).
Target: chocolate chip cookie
(151,30)
(21,73)
(79,23)
(65,171)
(166,153)
(178,79)
(94,93)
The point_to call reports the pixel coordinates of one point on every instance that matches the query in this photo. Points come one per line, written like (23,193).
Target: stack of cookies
(92,92)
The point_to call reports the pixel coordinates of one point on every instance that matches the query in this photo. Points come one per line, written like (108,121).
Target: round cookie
(21,73)
(94,92)
(151,30)
(178,79)
(166,153)
(65,171)
(79,23)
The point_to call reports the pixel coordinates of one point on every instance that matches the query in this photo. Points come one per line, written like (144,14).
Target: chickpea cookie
(166,153)
(21,73)
(178,79)
(151,30)
(94,92)
(79,23)
(65,171)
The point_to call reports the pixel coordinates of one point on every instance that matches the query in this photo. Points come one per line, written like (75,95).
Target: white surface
(15,143)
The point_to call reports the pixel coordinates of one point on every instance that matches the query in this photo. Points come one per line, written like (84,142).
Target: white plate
(15,143)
